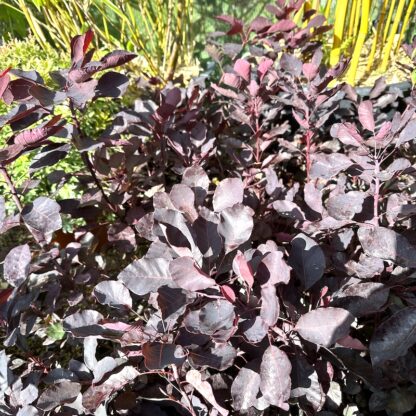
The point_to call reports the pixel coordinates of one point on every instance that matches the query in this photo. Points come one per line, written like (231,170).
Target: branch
(12,188)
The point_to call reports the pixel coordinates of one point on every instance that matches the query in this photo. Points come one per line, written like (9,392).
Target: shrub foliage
(246,247)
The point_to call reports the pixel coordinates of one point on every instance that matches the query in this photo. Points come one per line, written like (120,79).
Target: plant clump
(243,247)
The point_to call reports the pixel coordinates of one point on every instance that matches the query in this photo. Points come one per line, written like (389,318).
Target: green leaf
(55,331)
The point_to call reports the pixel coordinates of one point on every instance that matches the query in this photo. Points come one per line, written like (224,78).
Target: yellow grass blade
(365,12)
(392,34)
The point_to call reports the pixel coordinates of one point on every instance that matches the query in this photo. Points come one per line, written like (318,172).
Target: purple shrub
(246,247)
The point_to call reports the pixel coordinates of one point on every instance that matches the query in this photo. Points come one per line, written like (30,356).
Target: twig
(12,188)
(88,163)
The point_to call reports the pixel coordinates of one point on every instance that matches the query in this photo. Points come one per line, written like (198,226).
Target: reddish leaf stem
(12,188)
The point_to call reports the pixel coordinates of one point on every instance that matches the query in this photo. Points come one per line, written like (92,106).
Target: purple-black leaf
(324,326)
(305,383)
(58,394)
(188,276)
(393,337)
(116,58)
(98,394)
(228,193)
(236,226)
(113,293)
(307,260)
(273,269)
(345,206)
(158,355)
(245,388)
(243,269)
(361,299)
(111,84)
(365,115)
(16,265)
(146,275)
(275,379)
(386,244)
(42,216)
(220,357)
(214,316)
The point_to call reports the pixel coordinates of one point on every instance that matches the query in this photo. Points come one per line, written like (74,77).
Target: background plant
(160,31)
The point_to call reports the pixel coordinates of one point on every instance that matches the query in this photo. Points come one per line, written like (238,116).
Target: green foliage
(55,331)
(27,54)
(160,32)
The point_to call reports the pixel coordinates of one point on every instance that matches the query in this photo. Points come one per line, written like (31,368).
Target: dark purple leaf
(105,366)
(408,133)
(79,46)
(111,84)
(58,394)
(243,68)
(146,275)
(220,357)
(231,80)
(172,302)
(157,355)
(365,115)
(345,206)
(194,378)
(313,197)
(39,134)
(270,307)
(196,178)
(236,226)
(386,244)
(347,134)
(245,388)
(394,336)
(378,88)
(113,293)
(212,317)
(79,94)
(16,265)
(362,298)
(291,64)
(275,372)
(305,383)
(310,70)
(284,25)
(98,394)
(188,276)
(259,24)
(183,199)
(18,90)
(47,97)
(243,269)
(116,58)
(264,66)
(42,216)
(80,322)
(289,209)
(228,193)
(236,25)
(6,375)
(273,270)
(326,166)
(4,81)
(324,326)
(254,329)
(307,260)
